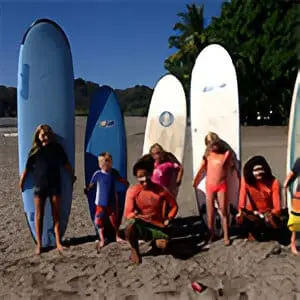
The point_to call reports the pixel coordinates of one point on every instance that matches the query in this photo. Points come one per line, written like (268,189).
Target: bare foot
(38,250)
(294,249)
(251,237)
(227,242)
(119,240)
(135,257)
(100,245)
(60,247)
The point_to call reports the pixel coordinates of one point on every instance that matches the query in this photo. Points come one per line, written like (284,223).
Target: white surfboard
(293,146)
(166,122)
(214,107)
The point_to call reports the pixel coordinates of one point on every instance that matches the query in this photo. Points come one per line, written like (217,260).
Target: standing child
(106,200)
(165,167)
(217,164)
(294,218)
(45,160)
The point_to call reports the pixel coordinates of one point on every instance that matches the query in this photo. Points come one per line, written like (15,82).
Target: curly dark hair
(146,163)
(248,169)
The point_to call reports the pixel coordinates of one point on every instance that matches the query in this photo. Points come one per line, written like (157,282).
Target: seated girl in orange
(260,199)
(216,163)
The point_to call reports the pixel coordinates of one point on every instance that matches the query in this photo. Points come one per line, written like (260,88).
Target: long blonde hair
(36,143)
(167,156)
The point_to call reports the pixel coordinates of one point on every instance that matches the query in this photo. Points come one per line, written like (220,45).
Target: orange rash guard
(265,197)
(149,203)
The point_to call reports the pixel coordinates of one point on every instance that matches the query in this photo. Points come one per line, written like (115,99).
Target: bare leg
(210,215)
(55,201)
(101,243)
(132,238)
(113,221)
(225,216)
(39,204)
(293,244)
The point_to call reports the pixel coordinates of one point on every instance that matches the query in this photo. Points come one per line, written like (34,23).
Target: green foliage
(262,40)
(134,101)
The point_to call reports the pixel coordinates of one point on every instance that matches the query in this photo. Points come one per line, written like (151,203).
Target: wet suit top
(149,203)
(266,196)
(105,182)
(45,165)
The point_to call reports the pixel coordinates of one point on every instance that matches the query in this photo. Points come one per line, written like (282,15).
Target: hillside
(134,101)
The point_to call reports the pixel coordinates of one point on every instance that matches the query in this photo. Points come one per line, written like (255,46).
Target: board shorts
(294,216)
(147,231)
(101,213)
(221,187)
(49,191)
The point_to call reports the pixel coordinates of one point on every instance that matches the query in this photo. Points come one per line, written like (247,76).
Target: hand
(166,222)
(86,191)
(178,182)
(21,185)
(239,218)
(74,178)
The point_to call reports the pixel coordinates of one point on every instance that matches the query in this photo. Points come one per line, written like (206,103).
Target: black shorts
(44,192)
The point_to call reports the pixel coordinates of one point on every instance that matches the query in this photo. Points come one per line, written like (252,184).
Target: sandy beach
(246,270)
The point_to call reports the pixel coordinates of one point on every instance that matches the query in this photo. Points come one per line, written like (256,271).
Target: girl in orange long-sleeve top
(260,200)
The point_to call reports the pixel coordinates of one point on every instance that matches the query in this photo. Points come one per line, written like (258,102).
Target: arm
(243,196)
(70,170)
(93,181)
(88,188)
(28,167)
(179,174)
(289,179)
(62,156)
(276,197)
(129,209)
(293,174)
(123,180)
(22,180)
(170,200)
(199,174)
(119,178)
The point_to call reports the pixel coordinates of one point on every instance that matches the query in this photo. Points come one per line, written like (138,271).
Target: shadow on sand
(188,236)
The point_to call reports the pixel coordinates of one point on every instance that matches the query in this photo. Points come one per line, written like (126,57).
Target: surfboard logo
(166,119)
(213,87)
(107,123)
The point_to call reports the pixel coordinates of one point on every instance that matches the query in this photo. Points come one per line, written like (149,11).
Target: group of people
(151,205)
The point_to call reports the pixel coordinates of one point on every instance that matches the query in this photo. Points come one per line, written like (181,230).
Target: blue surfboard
(46,96)
(105,131)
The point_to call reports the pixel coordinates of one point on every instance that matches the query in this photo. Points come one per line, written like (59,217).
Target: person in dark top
(294,215)
(44,162)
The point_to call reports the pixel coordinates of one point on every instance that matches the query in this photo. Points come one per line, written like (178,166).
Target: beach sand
(246,270)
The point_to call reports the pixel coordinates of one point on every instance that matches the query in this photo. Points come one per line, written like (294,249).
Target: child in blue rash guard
(106,200)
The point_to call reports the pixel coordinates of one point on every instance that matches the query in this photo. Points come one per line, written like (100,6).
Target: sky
(114,42)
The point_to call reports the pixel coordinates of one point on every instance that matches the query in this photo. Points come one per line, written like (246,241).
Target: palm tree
(189,40)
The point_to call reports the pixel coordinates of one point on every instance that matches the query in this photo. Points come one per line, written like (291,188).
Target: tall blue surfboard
(105,131)
(46,96)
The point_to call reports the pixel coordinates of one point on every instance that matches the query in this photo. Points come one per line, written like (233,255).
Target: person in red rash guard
(260,200)
(144,210)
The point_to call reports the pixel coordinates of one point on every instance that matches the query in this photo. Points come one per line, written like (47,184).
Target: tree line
(262,39)
(134,101)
